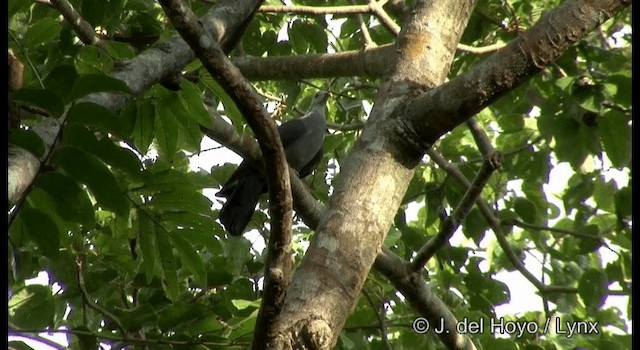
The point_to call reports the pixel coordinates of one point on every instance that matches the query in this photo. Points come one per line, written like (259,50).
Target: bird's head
(320,98)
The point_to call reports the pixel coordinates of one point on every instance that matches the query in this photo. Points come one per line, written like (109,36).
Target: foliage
(122,225)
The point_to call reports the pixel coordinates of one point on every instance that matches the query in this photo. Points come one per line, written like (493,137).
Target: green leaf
(17,5)
(181,201)
(230,107)
(32,307)
(86,339)
(241,304)
(143,129)
(91,83)
(44,99)
(105,149)
(623,88)
(96,116)
(93,11)
(602,194)
(511,122)
(147,241)
(28,140)
(526,210)
(73,203)
(615,134)
(592,288)
(475,226)
(570,145)
(298,36)
(135,319)
(190,257)
(166,129)
(43,230)
(92,60)
(92,172)
(18,344)
(61,79)
(169,264)
(623,203)
(207,324)
(178,314)
(43,31)
(119,50)
(192,100)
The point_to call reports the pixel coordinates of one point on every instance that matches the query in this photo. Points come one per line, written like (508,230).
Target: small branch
(91,303)
(26,167)
(523,224)
(380,315)
(452,222)
(383,17)
(414,288)
(83,29)
(316,10)
(43,340)
(278,265)
(495,225)
(345,127)
(26,57)
(480,49)
(368,42)
(483,142)
(128,340)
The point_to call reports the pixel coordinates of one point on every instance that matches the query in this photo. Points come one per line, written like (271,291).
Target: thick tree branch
(439,110)
(414,288)
(279,263)
(369,62)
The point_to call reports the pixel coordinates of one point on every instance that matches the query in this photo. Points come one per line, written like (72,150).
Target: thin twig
(91,303)
(383,17)
(368,42)
(380,315)
(452,222)
(26,57)
(523,224)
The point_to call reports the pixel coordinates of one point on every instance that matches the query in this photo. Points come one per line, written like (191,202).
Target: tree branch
(452,222)
(89,301)
(83,29)
(387,22)
(316,10)
(495,225)
(439,110)
(415,289)
(279,264)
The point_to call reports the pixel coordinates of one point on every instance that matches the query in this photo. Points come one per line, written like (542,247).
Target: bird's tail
(237,211)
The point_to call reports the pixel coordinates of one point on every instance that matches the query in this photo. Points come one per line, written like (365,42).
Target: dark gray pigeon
(302,141)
